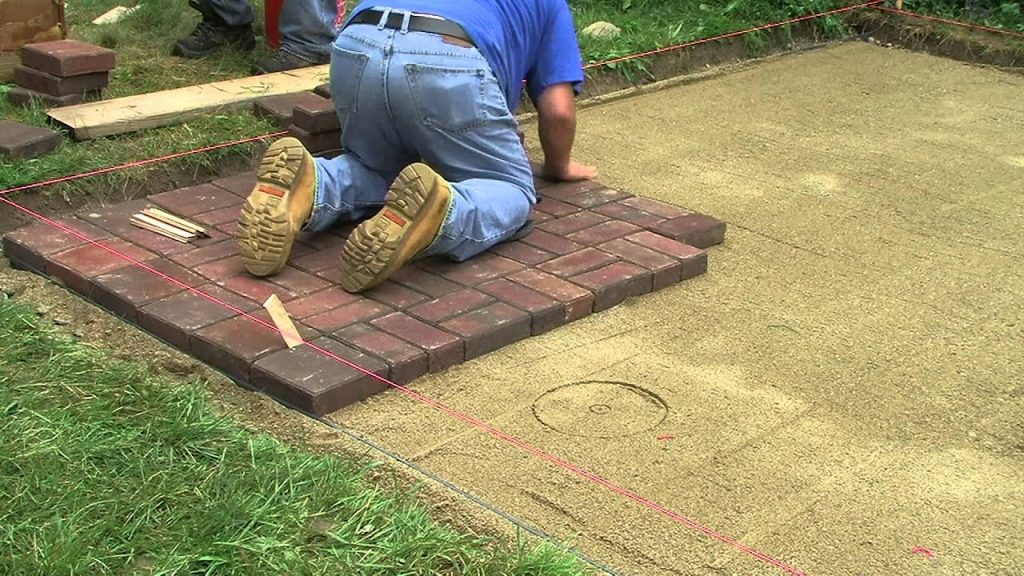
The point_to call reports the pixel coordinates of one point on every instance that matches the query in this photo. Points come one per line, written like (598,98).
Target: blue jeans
(307,26)
(404,97)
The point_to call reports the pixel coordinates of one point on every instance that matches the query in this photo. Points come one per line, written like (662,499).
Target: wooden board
(133,113)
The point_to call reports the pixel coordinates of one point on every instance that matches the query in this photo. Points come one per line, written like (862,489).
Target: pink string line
(733,34)
(475,422)
(951,22)
(137,163)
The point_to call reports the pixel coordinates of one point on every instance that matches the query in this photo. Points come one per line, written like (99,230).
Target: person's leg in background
(474,187)
(308,27)
(224,23)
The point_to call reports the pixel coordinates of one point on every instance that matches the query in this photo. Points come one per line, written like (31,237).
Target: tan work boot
(279,205)
(414,210)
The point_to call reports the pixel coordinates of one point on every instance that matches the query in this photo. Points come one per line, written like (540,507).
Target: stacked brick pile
(308,116)
(61,73)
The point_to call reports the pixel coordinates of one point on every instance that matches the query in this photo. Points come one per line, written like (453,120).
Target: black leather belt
(416,23)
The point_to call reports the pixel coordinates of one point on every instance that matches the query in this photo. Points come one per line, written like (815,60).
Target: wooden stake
(168,218)
(283,321)
(160,229)
(165,227)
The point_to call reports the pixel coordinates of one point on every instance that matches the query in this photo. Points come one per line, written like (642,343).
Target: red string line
(468,419)
(951,22)
(137,163)
(733,34)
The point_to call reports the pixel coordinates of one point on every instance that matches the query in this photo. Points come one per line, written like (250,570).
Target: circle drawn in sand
(599,409)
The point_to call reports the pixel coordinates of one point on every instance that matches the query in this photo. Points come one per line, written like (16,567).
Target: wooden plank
(133,113)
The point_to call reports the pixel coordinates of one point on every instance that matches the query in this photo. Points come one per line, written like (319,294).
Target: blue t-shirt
(533,40)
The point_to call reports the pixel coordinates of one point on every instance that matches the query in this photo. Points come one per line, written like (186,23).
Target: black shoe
(280,61)
(212,33)
(208,37)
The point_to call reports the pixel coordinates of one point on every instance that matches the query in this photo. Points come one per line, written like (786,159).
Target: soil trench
(840,389)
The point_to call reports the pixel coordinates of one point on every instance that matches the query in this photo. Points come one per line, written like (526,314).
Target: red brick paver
(593,247)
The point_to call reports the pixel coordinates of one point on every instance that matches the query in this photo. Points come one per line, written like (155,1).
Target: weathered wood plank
(134,113)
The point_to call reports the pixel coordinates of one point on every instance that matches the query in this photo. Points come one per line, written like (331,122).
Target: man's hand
(556,123)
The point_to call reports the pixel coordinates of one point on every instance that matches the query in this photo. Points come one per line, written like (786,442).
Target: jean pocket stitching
(414,74)
(352,84)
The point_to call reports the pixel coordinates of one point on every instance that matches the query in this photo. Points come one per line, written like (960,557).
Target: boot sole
(265,235)
(370,254)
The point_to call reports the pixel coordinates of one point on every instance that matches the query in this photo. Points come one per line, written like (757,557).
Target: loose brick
(626,213)
(174,319)
(298,282)
(579,262)
(316,117)
(221,270)
(23,97)
(395,295)
(320,302)
(556,208)
(490,328)
(319,142)
(597,197)
(256,289)
(68,57)
(546,313)
(77,267)
(232,345)
(443,349)
(550,243)
(481,268)
(31,244)
(240,185)
(441,309)
(604,232)
(666,270)
(228,215)
(694,260)
(578,301)
(698,230)
(405,361)
(124,291)
(572,223)
(19,140)
(280,109)
(187,202)
(655,207)
(424,282)
(157,244)
(318,261)
(316,383)
(614,283)
(522,253)
(38,81)
(564,190)
(361,310)
(197,256)
(116,218)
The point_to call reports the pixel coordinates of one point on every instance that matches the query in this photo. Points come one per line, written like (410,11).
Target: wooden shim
(168,218)
(164,226)
(158,230)
(133,113)
(283,321)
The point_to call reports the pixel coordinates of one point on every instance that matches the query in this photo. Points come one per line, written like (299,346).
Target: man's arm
(556,120)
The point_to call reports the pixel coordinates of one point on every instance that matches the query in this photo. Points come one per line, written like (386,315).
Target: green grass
(105,469)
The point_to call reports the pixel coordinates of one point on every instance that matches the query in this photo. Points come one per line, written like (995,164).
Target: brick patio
(592,248)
